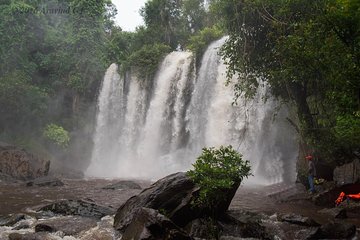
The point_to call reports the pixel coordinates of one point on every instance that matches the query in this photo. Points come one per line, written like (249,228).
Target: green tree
(50,61)
(164,18)
(22,105)
(307,52)
(57,134)
(216,170)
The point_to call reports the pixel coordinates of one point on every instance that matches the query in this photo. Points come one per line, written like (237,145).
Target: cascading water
(149,136)
(108,121)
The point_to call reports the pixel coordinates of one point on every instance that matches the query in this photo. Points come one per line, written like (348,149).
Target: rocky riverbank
(85,209)
(53,207)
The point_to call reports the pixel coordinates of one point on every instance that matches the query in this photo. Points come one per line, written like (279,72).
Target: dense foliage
(52,61)
(308,52)
(217,169)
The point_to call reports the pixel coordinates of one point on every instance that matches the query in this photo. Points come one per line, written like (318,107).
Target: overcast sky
(128,17)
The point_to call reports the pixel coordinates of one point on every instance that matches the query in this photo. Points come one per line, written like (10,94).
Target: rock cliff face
(20,164)
(347,173)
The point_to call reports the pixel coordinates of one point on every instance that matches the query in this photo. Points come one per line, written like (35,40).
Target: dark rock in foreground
(149,224)
(45,182)
(336,230)
(246,225)
(11,219)
(299,220)
(69,225)
(20,164)
(172,196)
(30,236)
(308,233)
(334,212)
(78,207)
(123,185)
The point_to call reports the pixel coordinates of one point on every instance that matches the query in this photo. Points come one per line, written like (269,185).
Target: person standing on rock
(311,172)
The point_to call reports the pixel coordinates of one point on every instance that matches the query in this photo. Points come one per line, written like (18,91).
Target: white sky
(128,17)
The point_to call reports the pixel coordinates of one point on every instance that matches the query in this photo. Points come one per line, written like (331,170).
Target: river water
(18,198)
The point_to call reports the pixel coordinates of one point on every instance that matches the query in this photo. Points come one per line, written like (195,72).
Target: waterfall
(108,122)
(149,132)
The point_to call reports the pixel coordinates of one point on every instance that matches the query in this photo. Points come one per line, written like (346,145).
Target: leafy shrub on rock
(216,170)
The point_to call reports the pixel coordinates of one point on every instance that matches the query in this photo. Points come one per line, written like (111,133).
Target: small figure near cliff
(311,173)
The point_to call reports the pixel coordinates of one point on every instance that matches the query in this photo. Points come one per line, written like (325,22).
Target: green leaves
(20,102)
(347,129)
(216,170)
(308,53)
(57,134)
(199,42)
(146,60)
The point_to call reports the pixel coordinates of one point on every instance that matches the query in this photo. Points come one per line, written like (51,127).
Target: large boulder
(336,230)
(20,164)
(121,185)
(347,173)
(173,196)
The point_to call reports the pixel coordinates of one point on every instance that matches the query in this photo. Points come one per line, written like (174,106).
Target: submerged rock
(123,185)
(78,207)
(20,164)
(32,236)
(45,182)
(69,225)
